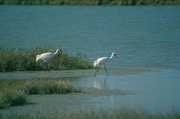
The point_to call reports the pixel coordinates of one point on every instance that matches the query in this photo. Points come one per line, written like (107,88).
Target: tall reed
(25,60)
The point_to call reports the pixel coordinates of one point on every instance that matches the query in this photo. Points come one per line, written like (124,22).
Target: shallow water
(155,90)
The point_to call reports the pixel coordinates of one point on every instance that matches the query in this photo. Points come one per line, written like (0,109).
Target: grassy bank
(124,113)
(15,92)
(25,60)
(90,2)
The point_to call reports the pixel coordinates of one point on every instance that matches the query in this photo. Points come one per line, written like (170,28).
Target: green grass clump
(49,86)
(11,97)
(15,92)
(25,60)
(11,93)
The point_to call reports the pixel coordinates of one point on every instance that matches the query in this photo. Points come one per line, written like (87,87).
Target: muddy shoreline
(60,103)
(72,73)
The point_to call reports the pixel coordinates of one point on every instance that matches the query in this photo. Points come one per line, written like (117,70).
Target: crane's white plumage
(46,56)
(102,61)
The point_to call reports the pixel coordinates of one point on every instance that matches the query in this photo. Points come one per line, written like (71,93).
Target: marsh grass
(15,92)
(124,113)
(11,97)
(90,2)
(25,60)
(49,86)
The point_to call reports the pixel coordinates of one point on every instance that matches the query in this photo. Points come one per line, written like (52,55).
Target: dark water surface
(142,36)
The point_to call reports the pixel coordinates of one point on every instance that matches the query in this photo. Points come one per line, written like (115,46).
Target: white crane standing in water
(46,56)
(102,61)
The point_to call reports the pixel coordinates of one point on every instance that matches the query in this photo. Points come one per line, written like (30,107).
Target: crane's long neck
(111,56)
(56,51)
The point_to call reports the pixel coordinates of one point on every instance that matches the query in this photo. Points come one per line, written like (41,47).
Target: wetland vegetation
(25,60)
(124,113)
(90,2)
(15,92)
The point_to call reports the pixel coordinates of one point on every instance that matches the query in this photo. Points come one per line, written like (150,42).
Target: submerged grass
(15,92)
(25,60)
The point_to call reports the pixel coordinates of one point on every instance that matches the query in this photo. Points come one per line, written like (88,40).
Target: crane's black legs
(47,67)
(96,71)
(105,70)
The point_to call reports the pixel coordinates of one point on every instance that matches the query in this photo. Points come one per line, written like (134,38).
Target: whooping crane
(46,56)
(102,61)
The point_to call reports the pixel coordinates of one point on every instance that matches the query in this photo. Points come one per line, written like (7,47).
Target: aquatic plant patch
(12,97)
(49,86)
(15,92)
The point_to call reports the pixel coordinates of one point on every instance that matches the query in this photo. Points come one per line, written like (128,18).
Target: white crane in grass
(46,56)
(102,61)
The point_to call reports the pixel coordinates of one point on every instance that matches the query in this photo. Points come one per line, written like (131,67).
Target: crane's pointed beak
(115,55)
(60,50)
